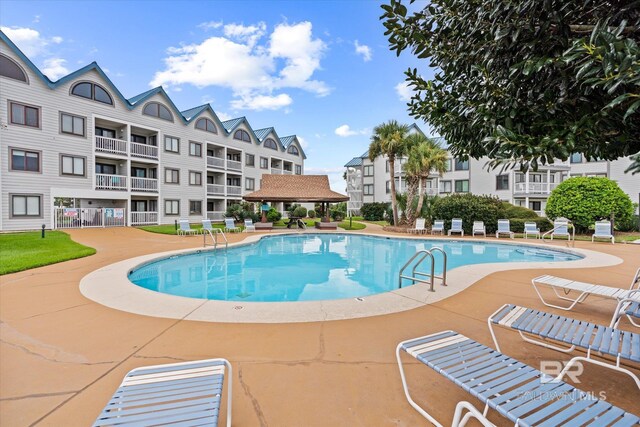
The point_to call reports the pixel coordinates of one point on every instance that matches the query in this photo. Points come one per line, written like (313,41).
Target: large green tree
(526,81)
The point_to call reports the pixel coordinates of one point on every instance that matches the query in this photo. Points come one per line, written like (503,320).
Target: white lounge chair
(603,231)
(185,227)
(420,227)
(206,226)
(561,228)
(438,226)
(188,393)
(248,225)
(628,307)
(516,391)
(531,229)
(504,227)
(479,228)
(563,288)
(456,227)
(230,225)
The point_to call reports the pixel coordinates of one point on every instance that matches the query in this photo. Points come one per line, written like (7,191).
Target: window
(445,186)
(171,176)
(10,69)
(155,109)
(71,124)
(234,181)
(270,143)
(575,158)
(105,168)
(171,207)
(387,187)
(242,135)
(92,91)
(138,206)
(206,125)
(447,165)
(72,165)
(462,186)
(462,165)
(293,150)
(195,207)
(24,160)
(138,139)
(250,160)
(535,206)
(195,178)
(367,190)
(502,182)
(171,144)
(25,115)
(138,172)
(264,163)
(106,133)
(195,149)
(368,170)
(298,170)
(24,205)
(249,184)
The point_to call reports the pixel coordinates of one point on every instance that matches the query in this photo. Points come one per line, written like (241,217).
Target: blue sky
(318,69)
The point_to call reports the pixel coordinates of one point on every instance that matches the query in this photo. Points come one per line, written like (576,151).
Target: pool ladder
(425,277)
(214,238)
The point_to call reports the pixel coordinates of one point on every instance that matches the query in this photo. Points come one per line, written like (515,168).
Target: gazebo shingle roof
(295,188)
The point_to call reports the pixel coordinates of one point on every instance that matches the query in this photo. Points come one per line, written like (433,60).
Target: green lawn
(22,251)
(171,229)
(351,226)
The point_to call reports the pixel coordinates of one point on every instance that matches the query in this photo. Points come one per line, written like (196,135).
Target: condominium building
(369,181)
(76,152)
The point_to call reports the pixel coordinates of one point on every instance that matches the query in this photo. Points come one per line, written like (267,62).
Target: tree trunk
(394,202)
(423,189)
(412,189)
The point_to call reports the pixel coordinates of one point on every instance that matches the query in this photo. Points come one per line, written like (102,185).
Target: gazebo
(296,188)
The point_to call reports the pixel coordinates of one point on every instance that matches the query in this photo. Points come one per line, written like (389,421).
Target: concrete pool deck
(62,355)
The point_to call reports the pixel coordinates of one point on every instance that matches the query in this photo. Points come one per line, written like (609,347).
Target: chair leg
(615,367)
(583,296)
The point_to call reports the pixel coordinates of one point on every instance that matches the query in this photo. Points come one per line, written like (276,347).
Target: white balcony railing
(233,164)
(111,182)
(215,162)
(216,215)
(143,150)
(144,184)
(286,172)
(111,145)
(535,187)
(276,171)
(142,218)
(215,189)
(232,190)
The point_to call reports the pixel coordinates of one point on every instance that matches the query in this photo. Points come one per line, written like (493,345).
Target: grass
(23,251)
(382,223)
(351,226)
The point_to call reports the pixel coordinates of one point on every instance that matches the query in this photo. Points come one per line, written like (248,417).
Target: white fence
(144,184)
(111,182)
(111,145)
(215,189)
(143,218)
(88,217)
(213,161)
(144,150)
(235,165)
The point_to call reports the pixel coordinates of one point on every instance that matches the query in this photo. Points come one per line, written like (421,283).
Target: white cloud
(211,25)
(256,68)
(404,91)
(303,142)
(54,68)
(57,39)
(36,19)
(30,41)
(345,131)
(223,116)
(364,50)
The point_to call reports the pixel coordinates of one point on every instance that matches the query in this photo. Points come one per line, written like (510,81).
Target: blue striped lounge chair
(186,394)
(516,391)
(504,227)
(456,227)
(230,226)
(603,231)
(438,226)
(185,227)
(628,307)
(565,334)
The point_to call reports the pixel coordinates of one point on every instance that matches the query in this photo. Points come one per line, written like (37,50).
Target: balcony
(143,218)
(111,145)
(215,189)
(144,184)
(276,171)
(234,165)
(544,188)
(144,151)
(111,182)
(215,162)
(216,215)
(233,190)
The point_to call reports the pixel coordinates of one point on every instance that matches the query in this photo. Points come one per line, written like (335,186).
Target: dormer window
(10,69)
(206,125)
(92,91)
(242,135)
(155,109)
(293,150)
(270,143)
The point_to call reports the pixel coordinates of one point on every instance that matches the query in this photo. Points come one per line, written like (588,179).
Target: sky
(321,70)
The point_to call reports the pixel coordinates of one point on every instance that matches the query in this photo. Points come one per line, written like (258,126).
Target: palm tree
(425,157)
(389,139)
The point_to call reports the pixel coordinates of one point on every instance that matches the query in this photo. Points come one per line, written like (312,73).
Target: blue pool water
(310,267)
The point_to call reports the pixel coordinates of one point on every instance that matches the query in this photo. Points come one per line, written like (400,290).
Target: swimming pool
(312,267)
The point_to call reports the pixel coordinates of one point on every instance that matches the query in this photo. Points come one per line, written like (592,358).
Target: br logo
(552,370)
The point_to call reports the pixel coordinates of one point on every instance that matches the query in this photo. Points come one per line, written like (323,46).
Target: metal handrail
(423,255)
(214,237)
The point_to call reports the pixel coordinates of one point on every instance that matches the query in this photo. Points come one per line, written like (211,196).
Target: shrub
(632,224)
(273,215)
(234,211)
(517,224)
(338,211)
(300,211)
(469,208)
(584,200)
(311,213)
(512,211)
(374,211)
(240,212)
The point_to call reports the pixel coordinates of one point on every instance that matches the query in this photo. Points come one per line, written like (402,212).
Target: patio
(62,355)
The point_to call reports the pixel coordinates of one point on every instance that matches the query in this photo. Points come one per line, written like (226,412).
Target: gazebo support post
(326,210)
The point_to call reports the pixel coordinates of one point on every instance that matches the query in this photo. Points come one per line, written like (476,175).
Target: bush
(632,224)
(240,212)
(338,211)
(469,208)
(311,213)
(374,211)
(273,215)
(300,211)
(517,224)
(512,211)
(585,200)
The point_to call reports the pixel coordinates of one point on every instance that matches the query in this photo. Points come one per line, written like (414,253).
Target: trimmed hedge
(513,211)
(469,208)
(374,211)
(273,215)
(517,224)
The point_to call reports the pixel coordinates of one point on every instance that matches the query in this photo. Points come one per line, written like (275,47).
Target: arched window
(206,125)
(92,91)
(242,135)
(270,143)
(155,109)
(9,68)
(293,150)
